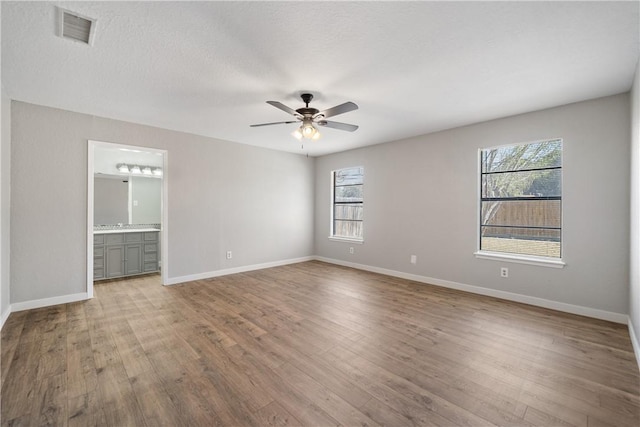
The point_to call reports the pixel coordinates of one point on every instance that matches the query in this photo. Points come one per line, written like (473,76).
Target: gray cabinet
(99,257)
(151,249)
(125,254)
(114,261)
(133,259)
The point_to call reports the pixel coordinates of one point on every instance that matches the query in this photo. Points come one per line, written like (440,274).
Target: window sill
(346,239)
(521,259)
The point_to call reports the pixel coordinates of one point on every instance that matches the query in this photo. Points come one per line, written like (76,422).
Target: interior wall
(5,203)
(421,198)
(222,196)
(634,282)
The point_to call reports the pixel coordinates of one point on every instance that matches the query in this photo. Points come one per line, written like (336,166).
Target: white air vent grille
(76,27)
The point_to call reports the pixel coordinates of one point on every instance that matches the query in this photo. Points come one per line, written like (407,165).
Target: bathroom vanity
(124,252)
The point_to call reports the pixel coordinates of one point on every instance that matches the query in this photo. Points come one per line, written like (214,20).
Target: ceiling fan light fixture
(308,130)
(297,133)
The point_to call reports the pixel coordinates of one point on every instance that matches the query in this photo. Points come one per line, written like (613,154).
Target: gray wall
(421,195)
(110,201)
(147,193)
(634,287)
(5,209)
(222,196)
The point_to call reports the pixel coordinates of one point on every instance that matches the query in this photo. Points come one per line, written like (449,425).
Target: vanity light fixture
(139,169)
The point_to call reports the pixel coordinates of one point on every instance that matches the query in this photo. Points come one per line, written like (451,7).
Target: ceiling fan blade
(274,123)
(283,107)
(337,125)
(338,109)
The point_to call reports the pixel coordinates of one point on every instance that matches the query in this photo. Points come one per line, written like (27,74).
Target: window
(521,199)
(347,206)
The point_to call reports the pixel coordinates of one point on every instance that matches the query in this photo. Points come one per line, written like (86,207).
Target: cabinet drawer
(98,252)
(114,239)
(133,237)
(150,266)
(151,236)
(98,239)
(98,273)
(150,247)
(98,263)
(151,257)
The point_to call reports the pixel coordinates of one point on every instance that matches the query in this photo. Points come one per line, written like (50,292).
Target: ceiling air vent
(76,27)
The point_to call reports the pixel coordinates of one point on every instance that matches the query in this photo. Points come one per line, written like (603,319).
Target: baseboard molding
(510,296)
(634,341)
(242,269)
(539,302)
(4,317)
(46,302)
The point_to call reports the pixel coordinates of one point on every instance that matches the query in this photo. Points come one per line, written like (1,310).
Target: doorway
(124,171)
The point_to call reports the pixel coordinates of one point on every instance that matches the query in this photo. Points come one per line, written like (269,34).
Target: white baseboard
(45,302)
(242,269)
(539,302)
(4,317)
(634,341)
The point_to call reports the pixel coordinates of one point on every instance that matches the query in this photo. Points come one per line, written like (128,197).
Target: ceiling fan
(310,117)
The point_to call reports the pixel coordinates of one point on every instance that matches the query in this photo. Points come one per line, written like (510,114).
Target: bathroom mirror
(126,200)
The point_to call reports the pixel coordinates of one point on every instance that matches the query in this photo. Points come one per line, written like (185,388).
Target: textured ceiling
(412,67)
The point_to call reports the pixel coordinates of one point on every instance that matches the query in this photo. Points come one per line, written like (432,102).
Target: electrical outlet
(504,272)
(351,250)
(229,254)
(414,259)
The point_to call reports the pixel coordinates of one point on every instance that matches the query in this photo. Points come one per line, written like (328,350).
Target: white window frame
(332,235)
(515,257)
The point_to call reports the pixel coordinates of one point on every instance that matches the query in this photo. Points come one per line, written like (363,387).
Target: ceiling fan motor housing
(307,112)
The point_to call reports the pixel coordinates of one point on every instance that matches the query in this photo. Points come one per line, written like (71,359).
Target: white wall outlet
(414,259)
(229,254)
(135,203)
(351,250)
(504,272)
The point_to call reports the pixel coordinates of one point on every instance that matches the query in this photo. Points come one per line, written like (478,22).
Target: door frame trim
(164,232)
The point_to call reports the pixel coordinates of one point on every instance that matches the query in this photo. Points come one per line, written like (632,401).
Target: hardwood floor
(312,344)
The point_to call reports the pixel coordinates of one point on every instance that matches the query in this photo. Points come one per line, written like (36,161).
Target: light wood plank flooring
(312,344)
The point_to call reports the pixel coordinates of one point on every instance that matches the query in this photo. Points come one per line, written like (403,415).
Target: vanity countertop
(125,230)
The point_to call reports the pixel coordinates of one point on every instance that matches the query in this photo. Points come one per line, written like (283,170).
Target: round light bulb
(308,131)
